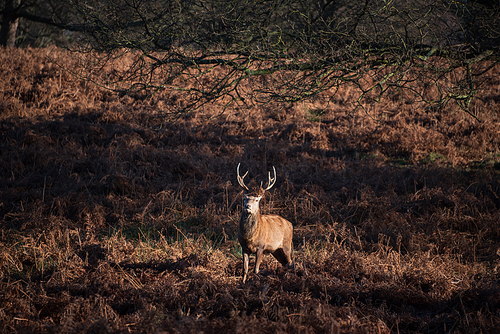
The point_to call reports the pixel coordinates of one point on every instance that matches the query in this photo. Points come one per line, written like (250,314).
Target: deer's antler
(272,180)
(240,179)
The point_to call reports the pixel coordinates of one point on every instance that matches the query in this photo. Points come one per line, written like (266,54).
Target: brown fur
(263,234)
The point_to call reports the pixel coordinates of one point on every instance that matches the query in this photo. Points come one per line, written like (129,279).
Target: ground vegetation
(118,216)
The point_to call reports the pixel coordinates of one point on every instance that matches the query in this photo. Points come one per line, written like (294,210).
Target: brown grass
(115,220)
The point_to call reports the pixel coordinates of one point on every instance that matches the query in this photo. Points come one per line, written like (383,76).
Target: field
(117,218)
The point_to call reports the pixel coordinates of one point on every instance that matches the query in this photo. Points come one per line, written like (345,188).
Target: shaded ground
(114,219)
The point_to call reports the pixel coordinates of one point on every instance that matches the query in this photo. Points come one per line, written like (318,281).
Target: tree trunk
(10,21)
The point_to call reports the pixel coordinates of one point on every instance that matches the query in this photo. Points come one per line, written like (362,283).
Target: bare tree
(38,22)
(10,22)
(290,50)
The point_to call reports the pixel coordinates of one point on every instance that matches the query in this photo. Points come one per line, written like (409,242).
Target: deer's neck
(249,223)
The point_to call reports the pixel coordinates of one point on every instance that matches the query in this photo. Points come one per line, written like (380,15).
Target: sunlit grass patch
(315,115)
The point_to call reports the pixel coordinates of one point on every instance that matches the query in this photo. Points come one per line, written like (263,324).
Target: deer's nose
(248,206)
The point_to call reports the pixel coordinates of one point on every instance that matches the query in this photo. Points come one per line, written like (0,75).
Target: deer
(262,234)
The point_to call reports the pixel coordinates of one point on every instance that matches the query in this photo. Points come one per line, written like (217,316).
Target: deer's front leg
(258,259)
(245,266)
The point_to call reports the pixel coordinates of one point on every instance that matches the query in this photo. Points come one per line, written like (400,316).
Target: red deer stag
(262,234)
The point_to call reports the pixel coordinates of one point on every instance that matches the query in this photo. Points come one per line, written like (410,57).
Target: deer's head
(254,195)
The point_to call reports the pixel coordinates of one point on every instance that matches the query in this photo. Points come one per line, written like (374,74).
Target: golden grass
(116,220)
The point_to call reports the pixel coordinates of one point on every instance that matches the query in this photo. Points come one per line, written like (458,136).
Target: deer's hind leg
(281,256)
(287,250)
